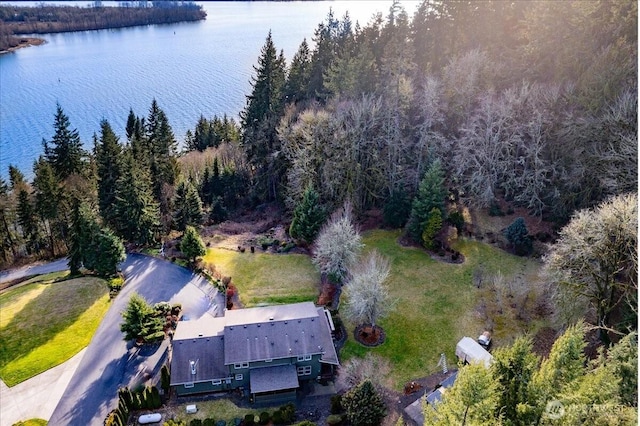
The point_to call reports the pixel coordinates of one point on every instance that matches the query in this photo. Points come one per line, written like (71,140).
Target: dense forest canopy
(533,103)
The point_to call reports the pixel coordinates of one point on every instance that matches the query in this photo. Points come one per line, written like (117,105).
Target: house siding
(202,387)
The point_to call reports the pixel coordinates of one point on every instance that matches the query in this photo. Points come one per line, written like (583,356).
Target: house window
(304,358)
(188,385)
(241,365)
(304,371)
(216,382)
(239,377)
(228,380)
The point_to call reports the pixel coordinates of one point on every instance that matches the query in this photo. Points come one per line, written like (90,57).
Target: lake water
(189,68)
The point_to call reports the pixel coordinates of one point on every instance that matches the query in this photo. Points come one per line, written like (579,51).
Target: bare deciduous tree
(594,263)
(338,245)
(368,297)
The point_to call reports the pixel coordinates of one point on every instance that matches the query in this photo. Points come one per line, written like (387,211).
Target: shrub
(116,283)
(173,422)
(248,420)
(277,417)
(195,422)
(431,229)
(456,219)
(306,423)
(495,210)
(155,398)
(162,307)
(518,236)
(334,419)
(288,413)
(264,418)
(125,395)
(209,422)
(336,404)
(221,423)
(165,378)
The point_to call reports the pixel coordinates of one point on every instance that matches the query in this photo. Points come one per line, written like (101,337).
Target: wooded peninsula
(57,19)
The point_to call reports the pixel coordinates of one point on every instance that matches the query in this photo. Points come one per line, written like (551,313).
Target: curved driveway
(110,362)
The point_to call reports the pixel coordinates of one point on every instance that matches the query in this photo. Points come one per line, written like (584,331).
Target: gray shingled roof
(202,327)
(277,332)
(206,352)
(271,379)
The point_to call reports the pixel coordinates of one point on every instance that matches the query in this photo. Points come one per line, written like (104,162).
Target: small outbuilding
(469,351)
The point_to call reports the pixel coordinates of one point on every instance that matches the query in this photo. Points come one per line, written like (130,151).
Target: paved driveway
(109,362)
(45,268)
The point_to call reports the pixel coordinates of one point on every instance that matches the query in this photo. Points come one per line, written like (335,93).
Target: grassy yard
(219,409)
(267,278)
(44,323)
(435,304)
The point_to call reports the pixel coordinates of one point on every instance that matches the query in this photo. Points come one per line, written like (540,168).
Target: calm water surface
(189,68)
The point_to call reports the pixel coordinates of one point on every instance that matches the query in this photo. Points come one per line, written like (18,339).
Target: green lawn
(267,278)
(219,409)
(435,301)
(44,323)
(435,304)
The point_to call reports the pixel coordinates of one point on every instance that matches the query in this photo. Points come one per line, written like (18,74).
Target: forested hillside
(532,103)
(56,19)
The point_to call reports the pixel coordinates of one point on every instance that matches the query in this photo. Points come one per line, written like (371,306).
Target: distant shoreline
(24,42)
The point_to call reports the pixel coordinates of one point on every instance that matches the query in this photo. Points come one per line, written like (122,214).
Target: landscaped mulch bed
(369,336)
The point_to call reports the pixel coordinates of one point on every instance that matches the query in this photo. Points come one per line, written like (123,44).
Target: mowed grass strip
(267,278)
(45,323)
(220,409)
(434,304)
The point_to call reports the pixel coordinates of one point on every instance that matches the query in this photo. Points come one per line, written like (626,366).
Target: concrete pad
(38,396)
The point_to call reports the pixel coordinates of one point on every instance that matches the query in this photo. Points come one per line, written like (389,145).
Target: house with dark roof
(265,352)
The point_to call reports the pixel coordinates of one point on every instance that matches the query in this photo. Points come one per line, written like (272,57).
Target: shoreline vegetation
(16,20)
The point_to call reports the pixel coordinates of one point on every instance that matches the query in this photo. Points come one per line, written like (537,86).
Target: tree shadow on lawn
(51,312)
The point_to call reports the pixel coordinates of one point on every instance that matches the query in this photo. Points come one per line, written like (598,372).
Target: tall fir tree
(137,211)
(431,194)
(28,221)
(260,117)
(295,88)
(48,197)
(188,206)
(308,217)
(16,178)
(163,165)
(108,155)
(64,151)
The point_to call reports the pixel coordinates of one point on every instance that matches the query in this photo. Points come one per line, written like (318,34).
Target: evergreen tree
(131,124)
(295,89)
(108,154)
(28,221)
(138,216)
(513,367)
(472,400)
(7,236)
(16,178)
(431,194)
(84,228)
(139,320)
(364,406)
(109,252)
(308,217)
(191,245)
(431,229)
(48,196)
(260,117)
(518,236)
(64,152)
(188,206)
(325,38)
(161,143)
(218,212)
(397,209)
